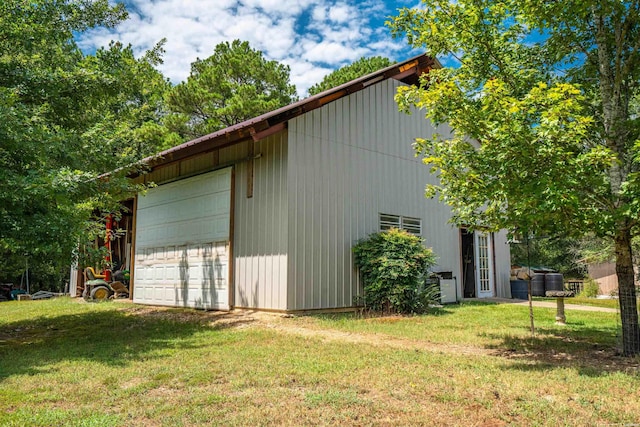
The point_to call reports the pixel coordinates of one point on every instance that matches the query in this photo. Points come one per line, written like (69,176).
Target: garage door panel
(191,284)
(189,188)
(188,209)
(182,237)
(192,296)
(200,278)
(213,227)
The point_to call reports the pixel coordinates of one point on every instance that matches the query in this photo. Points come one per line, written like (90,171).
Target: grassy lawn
(65,362)
(594,302)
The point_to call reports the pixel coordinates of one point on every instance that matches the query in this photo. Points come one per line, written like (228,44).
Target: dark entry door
(468,264)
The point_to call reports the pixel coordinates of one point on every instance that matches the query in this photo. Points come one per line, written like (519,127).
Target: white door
(182,243)
(484,265)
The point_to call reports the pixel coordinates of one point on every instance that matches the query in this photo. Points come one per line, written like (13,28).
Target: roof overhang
(275,121)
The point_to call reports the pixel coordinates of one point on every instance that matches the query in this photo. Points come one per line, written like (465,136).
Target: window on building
(389,221)
(412,225)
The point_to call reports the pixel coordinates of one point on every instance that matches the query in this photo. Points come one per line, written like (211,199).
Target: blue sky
(313,37)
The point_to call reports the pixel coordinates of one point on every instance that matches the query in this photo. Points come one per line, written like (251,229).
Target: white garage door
(182,242)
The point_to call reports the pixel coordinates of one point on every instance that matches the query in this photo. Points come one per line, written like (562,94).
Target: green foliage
(540,161)
(234,84)
(394,265)
(594,250)
(597,250)
(543,107)
(562,254)
(359,68)
(590,288)
(568,255)
(65,119)
(530,170)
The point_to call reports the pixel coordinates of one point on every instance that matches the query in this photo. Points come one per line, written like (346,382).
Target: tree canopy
(66,118)
(541,99)
(562,254)
(359,68)
(234,84)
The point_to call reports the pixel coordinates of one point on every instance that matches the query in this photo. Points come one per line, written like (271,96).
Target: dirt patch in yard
(218,319)
(282,323)
(377,340)
(595,359)
(598,360)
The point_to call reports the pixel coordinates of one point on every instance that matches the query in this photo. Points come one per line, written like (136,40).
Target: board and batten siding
(319,187)
(260,227)
(349,161)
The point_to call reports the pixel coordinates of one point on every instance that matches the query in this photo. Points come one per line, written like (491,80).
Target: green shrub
(590,288)
(394,267)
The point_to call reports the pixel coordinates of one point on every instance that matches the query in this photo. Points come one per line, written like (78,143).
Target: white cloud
(319,13)
(332,53)
(340,13)
(312,36)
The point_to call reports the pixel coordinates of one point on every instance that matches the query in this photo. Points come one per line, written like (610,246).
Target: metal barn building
(264,214)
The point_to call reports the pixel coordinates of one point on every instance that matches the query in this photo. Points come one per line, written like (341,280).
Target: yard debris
(45,295)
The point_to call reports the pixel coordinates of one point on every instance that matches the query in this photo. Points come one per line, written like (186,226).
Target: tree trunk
(615,114)
(627,294)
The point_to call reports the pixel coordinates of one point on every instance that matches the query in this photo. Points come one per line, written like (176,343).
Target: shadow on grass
(112,337)
(591,351)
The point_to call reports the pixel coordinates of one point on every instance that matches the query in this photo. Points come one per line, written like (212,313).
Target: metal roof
(274,121)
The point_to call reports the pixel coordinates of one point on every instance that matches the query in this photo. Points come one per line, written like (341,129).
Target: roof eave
(272,122)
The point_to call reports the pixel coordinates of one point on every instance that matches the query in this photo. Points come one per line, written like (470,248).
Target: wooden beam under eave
(257,136)
(331,97)
(405,74)
(408,66)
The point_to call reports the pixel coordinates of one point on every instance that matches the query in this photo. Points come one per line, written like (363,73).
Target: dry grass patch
(120,364)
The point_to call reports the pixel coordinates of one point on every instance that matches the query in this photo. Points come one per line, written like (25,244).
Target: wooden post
(250,167)
(132,251)
(107,243)
(230,259)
